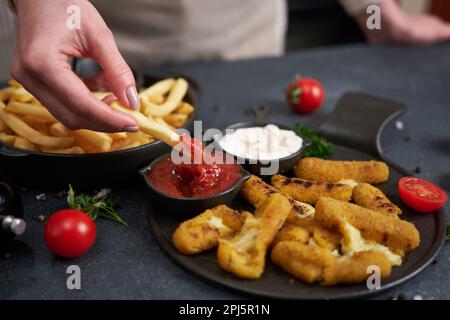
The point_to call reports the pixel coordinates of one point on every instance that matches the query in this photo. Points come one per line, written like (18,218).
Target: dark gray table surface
(128,263)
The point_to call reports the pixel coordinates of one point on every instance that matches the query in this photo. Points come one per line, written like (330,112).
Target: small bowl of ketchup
(189,189)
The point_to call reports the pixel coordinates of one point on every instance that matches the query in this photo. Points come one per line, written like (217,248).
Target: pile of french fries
(26,124)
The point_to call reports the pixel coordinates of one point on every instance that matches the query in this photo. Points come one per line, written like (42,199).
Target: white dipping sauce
(261,143)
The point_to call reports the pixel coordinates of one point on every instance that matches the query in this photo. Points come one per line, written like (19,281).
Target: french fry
(6,93)
(85,145)
(156,99)
(174,98)
(14,83)
(7,138)
(24,130)
(150,127)
(118,135)
(71,150)
(58,130)
(23,143)
(184,108)
(99,139)
(164,123)
(26,109)
(159,88)
(42,128)
(21,95)
(100,95)
(176,119)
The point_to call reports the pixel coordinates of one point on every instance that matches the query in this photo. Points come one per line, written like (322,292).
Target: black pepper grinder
(11,214)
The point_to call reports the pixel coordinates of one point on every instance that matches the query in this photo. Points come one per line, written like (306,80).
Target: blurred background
(311,23)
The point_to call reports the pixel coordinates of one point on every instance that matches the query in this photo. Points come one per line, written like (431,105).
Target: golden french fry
(41,127)
(14,83)
(99,139)
(156,99)
(7,138)
(6,93)
(72,150)
(118,135)
(23,143)
(159,88)
(26,109)
(35,102)
(124,144)
(21,95)
(100,95)
(164,123)
(58,130)
(175,96)
(150,127)
(24,130)
(176,119)
(184,108)
(86,145)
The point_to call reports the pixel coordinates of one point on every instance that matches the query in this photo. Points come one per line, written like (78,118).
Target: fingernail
(133,98)
(131,129)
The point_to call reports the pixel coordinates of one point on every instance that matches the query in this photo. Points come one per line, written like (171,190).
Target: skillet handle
(358,120)
(7,150)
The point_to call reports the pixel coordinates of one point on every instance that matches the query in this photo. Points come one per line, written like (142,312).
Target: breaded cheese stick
(302,261)
(354,269)
(333,171)
(310,191)
(256,192)
(370,197)
(244,254)
(314,264)
(398,235)
(291,232)
(321,236)
(203,231)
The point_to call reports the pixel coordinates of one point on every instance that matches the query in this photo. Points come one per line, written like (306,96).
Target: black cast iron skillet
(49,170)
(361,118)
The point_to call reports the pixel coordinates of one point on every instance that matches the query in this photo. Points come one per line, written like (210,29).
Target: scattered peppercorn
(418,169)
(407,138)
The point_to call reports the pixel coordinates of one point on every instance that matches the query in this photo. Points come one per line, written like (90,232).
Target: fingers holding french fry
(25,119)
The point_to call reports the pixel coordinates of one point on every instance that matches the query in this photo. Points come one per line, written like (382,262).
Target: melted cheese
(353,242)
(349,182)
(216,222)
(308,210)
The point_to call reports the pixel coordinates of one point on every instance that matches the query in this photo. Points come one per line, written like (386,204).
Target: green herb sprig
(319,147)
(448,232)
(95,206)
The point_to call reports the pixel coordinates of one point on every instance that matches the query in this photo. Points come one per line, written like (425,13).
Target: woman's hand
(44,45)
(398,26)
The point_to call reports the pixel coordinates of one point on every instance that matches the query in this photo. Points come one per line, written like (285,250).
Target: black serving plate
(275,283)
(50,170)
(356,122)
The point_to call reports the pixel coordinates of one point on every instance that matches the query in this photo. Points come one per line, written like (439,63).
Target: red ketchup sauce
(193,180)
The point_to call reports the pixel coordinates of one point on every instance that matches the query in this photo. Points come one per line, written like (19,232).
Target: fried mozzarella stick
(314,264)
(310,191)
(398,235)
(203,231)
(256,191)
(244,254)
(334,171)
(370,197)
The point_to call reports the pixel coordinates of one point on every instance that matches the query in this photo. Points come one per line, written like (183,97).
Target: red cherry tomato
(305,95)
(69,233)
(421,195)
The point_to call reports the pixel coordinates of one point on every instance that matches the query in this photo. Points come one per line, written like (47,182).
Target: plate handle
(358,120)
